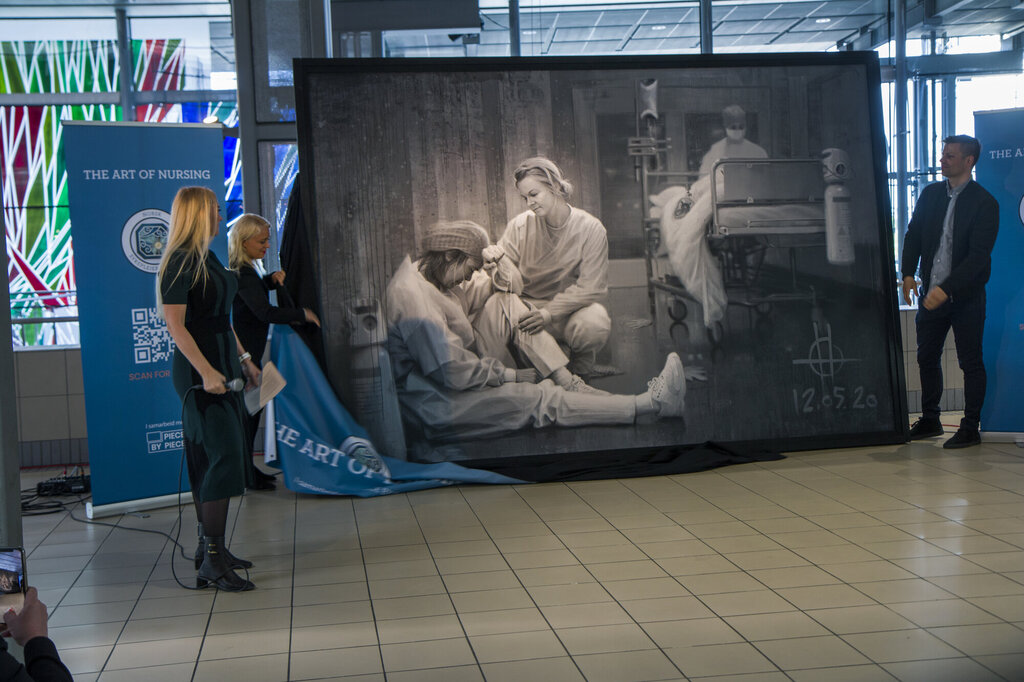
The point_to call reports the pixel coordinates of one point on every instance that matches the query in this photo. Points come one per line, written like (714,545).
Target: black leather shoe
(964,437)
(262,481)
(925,428)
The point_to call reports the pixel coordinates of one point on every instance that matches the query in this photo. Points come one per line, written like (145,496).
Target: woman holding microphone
(194,295)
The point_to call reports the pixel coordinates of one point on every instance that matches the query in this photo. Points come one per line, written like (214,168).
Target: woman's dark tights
(214,517)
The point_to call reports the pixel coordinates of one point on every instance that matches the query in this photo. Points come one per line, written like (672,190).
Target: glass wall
(986,93)
(940,105)
(574,27)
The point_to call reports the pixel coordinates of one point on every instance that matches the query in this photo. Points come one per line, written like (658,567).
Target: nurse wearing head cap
(439,307)
(561,253)
(735,144)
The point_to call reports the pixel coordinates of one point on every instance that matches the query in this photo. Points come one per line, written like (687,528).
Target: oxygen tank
(838,207)
(647,91)
(372,380)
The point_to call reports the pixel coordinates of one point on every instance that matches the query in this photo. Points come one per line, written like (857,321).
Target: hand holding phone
(13,581)
(29,623)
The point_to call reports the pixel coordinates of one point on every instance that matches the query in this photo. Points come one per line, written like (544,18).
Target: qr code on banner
(150,338)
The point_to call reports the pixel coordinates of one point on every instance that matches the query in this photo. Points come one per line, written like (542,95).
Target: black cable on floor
(174,540)
(31,508)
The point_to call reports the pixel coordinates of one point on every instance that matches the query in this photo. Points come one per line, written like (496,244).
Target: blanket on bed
(684,215)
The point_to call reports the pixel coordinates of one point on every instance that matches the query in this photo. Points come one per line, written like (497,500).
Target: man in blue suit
(951,234)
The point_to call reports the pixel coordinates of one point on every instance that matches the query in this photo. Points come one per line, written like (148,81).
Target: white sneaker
(668,389)
(578,385)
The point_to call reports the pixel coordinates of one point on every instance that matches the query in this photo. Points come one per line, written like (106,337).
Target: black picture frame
(389,146)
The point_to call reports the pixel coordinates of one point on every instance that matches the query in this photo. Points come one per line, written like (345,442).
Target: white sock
(645,404)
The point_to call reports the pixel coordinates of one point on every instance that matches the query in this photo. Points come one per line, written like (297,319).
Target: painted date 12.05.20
(840,398)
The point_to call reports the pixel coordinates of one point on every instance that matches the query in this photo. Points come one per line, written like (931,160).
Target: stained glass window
(35,200)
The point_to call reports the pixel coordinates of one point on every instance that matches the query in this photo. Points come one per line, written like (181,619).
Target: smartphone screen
(13,581)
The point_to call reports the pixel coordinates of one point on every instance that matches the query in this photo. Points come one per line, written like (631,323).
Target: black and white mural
(536,256)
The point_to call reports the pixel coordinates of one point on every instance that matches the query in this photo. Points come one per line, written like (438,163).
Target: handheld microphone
(233,385)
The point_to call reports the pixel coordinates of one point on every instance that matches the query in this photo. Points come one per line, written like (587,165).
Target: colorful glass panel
(35,203)
(58,66)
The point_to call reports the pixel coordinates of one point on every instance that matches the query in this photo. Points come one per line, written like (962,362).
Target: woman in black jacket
(252,311)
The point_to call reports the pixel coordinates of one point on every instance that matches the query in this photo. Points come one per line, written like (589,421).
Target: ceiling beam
(944,7)
(550,37)
(785,31)
(878,33)
(932,65)
(44,11)
(631,32)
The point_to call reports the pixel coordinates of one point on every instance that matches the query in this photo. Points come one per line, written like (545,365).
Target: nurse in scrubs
(561,253)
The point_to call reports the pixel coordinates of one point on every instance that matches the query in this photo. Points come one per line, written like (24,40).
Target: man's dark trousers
(966,316)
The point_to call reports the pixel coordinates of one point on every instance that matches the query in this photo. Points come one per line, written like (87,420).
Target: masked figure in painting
(735,144)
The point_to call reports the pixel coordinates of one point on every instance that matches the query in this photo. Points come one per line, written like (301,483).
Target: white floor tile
(866,564)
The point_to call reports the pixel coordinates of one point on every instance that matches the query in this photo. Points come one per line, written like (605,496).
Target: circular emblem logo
(143,238)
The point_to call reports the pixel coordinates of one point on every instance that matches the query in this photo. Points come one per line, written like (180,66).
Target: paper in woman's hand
(270,384)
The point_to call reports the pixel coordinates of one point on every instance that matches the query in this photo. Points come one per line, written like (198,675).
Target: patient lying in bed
(684,215)
(788,202)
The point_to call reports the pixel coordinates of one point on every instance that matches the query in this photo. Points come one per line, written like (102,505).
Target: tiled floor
(901,562)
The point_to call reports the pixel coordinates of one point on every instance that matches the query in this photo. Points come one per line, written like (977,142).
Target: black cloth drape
(300,290)
(675,459)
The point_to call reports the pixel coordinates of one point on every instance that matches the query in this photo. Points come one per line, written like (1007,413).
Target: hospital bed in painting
(759,214)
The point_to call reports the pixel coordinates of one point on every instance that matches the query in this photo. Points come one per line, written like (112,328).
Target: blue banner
(322,450)
(122,178)
(1000,170)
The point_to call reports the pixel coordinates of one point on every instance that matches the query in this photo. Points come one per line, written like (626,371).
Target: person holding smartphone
(28,627)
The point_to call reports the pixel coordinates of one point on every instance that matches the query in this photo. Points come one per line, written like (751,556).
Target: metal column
(124,58)
(922,132)
(10,456)
(705,27)
(515,48)
(900,122)
(949,106)
(315,21)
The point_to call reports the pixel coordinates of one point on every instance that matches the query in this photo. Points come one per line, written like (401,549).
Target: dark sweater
(252,312)
(42,663)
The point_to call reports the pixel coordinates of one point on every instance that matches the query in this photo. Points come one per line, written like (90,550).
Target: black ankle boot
(216,568)
(236,562)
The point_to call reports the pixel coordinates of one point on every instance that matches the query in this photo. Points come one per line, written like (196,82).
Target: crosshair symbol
(824,357)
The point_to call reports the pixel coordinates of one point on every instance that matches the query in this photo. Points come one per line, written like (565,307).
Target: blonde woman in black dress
(194,295)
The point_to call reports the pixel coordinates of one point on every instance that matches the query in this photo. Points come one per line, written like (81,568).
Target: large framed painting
(573,256)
